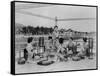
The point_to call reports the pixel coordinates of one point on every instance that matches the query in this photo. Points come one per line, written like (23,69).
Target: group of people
(57,49)
(68,48)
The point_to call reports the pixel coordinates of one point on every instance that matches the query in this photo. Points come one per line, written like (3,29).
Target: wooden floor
(57,66)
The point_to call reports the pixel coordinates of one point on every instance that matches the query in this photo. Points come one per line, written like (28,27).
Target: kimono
(55,36)
(72,48)
(29,48)
(85,51)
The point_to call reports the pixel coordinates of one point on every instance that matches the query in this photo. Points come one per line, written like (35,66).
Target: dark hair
(50,37)
(61,40)
(29,39)
(71,38)
(55,27)
(85,39)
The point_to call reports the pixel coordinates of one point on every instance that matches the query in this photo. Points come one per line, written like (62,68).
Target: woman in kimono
(85,51)
(29,49)
(55,36)
(72,48)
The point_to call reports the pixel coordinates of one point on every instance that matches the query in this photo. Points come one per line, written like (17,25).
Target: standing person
(50,43)
(29,49)
(55,32)
(55,36)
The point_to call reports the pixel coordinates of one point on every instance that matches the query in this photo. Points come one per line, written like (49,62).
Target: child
(49,47)
(49,44)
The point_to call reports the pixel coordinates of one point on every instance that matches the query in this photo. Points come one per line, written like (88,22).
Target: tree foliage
(35,30)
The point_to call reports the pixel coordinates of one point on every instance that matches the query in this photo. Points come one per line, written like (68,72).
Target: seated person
(85,51)
(72,48)
(29,49)
(60,45)
(61,49)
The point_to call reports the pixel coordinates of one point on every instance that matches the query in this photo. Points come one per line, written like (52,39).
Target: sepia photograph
(51,37)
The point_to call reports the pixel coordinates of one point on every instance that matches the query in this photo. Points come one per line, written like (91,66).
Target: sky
(44,15)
